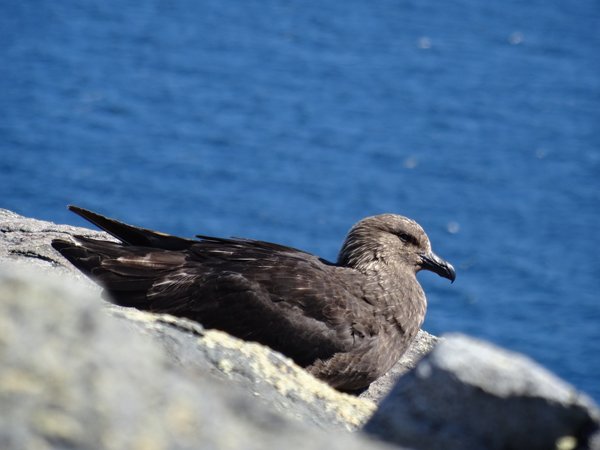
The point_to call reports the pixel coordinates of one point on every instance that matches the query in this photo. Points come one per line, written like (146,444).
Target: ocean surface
(289,121)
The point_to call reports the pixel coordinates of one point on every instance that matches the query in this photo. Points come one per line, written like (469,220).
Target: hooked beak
(434,263)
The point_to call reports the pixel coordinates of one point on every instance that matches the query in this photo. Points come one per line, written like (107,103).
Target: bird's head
(394,241)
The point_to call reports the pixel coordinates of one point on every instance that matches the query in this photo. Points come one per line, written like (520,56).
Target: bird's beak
(433,262)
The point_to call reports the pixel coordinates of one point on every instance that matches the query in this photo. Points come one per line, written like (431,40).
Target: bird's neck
(400,298)
(404,286)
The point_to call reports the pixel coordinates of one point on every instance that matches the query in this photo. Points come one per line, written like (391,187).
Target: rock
(27,241)
(271,378)
(72,376)
(468,394)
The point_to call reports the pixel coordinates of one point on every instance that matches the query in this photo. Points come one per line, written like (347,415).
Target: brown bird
(347,322)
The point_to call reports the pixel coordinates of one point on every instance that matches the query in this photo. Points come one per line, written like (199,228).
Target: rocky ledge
(77,372)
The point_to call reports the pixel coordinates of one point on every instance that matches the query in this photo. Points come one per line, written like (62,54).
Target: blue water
(289,121)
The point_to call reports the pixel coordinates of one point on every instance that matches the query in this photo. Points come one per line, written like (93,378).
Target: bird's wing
(275,295)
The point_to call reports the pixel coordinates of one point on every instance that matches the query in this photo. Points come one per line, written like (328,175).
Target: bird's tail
(132,235)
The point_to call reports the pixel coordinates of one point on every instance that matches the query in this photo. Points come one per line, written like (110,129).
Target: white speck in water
(540,153)
(410,162)
(453,227)
(424,43)
(515,38)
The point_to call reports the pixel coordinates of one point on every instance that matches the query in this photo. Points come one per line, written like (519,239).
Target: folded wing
(279,296)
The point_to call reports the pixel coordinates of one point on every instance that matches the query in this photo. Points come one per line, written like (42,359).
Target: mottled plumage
(346,322)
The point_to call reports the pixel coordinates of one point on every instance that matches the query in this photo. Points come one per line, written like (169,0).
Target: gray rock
(72,376)
(29,239)
(468,394)
(271,378)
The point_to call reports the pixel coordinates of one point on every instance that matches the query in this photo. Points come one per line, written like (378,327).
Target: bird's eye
(407,238)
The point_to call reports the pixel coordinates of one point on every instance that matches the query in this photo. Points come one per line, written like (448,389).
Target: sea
(288,121)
